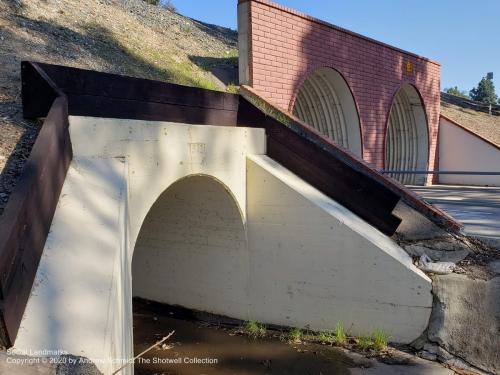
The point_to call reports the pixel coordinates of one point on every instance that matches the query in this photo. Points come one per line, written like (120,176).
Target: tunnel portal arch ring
(406,141)
(324,100)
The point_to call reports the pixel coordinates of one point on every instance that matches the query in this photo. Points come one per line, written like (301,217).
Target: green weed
(232,88)
(326,337)
(255,329)
(336,336)
(380,339)
(295,335)
(339,334)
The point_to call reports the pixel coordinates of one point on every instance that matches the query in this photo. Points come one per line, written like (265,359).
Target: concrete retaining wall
(466,320)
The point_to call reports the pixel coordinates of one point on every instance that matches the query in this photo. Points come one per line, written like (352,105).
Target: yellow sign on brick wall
(409,68)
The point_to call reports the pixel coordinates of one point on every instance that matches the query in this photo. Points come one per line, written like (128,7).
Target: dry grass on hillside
(119,36)
(483,124)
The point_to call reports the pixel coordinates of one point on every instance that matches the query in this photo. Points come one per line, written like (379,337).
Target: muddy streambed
(201,348)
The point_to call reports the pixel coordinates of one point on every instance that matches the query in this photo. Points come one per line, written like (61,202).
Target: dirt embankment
(127,37)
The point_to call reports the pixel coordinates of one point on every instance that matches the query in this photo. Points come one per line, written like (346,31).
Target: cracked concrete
(465,320)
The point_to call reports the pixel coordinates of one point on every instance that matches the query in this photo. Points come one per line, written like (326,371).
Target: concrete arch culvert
(292,247)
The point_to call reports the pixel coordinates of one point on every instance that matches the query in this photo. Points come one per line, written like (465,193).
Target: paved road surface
(478,208)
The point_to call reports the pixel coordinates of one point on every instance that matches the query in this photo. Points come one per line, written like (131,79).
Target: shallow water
(235,354)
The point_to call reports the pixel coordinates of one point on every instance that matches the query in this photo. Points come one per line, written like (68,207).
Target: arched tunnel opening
(325,102)
(407,141)
(189,266)
(191,249)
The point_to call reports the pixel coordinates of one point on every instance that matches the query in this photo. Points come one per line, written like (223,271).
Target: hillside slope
(127,37)
(477,120)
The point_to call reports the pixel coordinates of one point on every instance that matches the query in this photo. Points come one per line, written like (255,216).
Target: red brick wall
(285,46)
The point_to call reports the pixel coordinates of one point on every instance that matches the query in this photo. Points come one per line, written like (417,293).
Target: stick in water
(144,352)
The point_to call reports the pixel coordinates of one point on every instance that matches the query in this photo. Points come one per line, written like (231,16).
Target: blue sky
(463,35)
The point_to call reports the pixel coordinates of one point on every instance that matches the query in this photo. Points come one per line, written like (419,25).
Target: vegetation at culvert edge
(377,341)
(337,336)
(255,329)
(380,339)
(295,335)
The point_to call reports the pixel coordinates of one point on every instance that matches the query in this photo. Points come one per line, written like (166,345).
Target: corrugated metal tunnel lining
(407,145)
(325,102)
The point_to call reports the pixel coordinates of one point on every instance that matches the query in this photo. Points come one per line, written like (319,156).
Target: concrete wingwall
(280,48)
(78,302)
(314,263)
(216,226)
(462,150)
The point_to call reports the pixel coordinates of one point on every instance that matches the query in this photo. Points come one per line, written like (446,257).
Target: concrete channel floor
(477,207)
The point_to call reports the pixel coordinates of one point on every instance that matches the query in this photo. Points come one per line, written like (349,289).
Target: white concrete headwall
(224,229)
(460,150)
(161,153)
